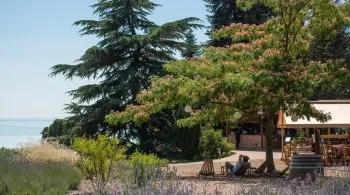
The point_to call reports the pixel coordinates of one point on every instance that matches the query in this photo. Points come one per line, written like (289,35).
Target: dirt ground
(192,170)
(187,178)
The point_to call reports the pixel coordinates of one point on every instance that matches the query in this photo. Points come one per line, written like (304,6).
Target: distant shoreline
(27,119)
(17,132)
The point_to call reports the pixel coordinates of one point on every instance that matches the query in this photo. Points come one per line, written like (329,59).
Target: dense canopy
(265,68)
(130,50)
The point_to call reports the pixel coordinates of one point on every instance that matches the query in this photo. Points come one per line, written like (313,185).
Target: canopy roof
(338,109)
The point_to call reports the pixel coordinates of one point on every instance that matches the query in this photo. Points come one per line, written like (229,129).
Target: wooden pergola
(338,109)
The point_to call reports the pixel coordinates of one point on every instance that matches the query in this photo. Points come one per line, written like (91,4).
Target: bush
(97,158)
(301,135)
(146,167)
(211,143)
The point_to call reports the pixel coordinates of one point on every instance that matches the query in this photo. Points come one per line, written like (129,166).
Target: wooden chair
(326,152)
(278,173)
(336,155)
(207,168)
(260,170)
(346,155)
(287,153)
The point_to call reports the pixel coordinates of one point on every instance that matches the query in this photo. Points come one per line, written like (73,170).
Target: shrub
(146,167)
(97,157)
(211,143)
(301,135)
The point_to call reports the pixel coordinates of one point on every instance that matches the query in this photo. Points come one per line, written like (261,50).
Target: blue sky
(37,34)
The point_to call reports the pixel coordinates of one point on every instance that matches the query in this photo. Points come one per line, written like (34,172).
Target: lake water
(18,132)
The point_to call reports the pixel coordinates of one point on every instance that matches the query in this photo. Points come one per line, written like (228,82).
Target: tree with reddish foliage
(265,68)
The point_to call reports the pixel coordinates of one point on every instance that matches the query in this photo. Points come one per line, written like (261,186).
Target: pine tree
(131,49)
(192,49)
(222,13)
(331,48)
(225,12)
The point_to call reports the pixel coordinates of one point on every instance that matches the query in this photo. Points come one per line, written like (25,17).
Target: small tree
(96,158)
(265,68)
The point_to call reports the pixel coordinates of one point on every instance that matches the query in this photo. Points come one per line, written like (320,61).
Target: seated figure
(231,168)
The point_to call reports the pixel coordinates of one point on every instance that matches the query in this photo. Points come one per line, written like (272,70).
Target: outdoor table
(223,170)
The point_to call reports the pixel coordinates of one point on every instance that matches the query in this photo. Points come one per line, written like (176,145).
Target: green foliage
(188,141)
(146,160)
(225,12)
(146,167)
(55,129)
(63,130)
(330,48)
(266,68)
(18,175)
(97,157)
(301,135)
(131,49)
(170,140)
(192,49)
(212,144)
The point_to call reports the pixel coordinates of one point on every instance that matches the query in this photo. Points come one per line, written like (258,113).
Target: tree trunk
(317,141)
(269,144)
(227,131)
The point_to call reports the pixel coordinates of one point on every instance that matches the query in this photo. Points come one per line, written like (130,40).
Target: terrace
(333,139)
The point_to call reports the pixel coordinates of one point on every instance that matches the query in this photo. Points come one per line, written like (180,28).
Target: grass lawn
(20,174)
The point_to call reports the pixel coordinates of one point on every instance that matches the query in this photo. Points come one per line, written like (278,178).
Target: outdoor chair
(326,152)
(278,173)
(207,168)
(260,170)
(346,155)
(337,154)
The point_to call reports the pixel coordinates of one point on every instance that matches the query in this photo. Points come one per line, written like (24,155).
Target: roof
(338,109)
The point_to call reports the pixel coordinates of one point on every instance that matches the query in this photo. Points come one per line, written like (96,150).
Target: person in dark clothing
(238,137)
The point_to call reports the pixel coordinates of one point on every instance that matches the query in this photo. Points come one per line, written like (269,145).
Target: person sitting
(231,168)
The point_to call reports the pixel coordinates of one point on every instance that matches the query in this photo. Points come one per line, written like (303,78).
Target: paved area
(253,155)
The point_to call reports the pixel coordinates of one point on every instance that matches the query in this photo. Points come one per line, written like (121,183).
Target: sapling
(97,158)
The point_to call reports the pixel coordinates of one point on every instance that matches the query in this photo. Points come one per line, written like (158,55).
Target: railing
(335,139)
(337,171)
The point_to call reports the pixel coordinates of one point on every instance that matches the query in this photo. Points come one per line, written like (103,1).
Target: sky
(37,34)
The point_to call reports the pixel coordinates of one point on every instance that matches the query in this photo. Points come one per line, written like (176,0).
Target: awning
(339,111)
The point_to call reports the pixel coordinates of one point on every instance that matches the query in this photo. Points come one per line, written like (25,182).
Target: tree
(131,49)
(225,12)
(327,48)
(192,49)
(270,70)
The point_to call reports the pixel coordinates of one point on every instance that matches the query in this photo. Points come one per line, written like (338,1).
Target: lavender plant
(322,186)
